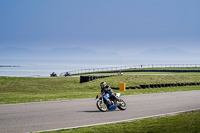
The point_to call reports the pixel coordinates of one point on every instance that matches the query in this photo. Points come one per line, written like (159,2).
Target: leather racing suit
(107,89)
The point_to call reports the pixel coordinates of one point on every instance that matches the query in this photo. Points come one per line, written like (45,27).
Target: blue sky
(123,26)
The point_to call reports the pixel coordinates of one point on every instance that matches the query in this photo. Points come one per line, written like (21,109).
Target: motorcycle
(105,102)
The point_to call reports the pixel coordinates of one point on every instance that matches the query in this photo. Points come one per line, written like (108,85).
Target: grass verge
(181,123)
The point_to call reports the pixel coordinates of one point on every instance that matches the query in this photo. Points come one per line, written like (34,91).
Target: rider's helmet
(103,84)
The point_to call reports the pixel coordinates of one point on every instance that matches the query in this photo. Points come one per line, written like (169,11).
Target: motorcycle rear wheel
(121,105)
(101,106)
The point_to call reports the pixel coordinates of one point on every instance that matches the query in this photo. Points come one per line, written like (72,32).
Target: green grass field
(23,89)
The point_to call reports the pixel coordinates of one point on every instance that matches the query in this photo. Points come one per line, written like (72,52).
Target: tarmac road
(31,117)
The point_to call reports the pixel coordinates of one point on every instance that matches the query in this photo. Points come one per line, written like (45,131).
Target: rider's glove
(96,96)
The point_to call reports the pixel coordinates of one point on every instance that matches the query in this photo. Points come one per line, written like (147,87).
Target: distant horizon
(72,47)
(168,53)
(37,68)
(94,50)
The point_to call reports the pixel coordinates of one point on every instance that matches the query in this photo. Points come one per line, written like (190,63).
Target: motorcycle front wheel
(101,106)
(121,104)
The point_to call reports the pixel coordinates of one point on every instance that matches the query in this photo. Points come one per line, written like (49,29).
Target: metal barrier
(129,67)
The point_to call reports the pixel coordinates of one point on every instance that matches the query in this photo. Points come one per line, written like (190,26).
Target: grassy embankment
(181,123)
(21,90)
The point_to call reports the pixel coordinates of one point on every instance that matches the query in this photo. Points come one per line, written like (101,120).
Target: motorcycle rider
(107,89)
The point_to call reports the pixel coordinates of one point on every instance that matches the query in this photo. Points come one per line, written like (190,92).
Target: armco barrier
(90,78)
(148,86)
(154,71)
(136,67)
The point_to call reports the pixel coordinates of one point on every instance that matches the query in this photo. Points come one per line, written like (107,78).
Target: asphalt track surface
(54,115)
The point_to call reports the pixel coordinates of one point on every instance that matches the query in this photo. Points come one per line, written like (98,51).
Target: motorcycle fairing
(106,96)
(117,94)
(112,107)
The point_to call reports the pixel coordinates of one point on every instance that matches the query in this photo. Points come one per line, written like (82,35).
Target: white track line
(159,115)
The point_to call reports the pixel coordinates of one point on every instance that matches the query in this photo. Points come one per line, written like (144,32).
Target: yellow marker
(122,86)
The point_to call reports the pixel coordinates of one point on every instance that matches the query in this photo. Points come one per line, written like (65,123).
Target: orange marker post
(122,86)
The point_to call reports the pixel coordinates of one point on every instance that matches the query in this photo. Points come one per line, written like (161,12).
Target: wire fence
(128,67)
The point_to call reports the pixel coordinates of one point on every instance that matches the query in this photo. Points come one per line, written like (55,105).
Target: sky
(123,26)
